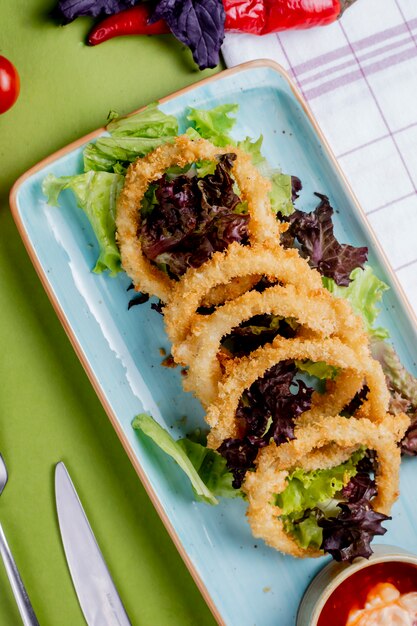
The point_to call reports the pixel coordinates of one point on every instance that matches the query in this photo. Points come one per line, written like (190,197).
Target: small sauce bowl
(330,578)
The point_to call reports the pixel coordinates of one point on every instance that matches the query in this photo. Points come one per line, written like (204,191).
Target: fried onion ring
(319,446)
(200,349)
(270,260)
(221,414)
(253,189)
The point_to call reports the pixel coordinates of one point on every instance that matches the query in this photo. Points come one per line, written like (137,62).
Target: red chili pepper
(132,21)
(258,17)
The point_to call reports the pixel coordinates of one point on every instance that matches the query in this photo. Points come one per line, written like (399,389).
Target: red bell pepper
(258,17)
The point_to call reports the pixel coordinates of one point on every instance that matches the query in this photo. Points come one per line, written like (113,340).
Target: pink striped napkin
(359,77)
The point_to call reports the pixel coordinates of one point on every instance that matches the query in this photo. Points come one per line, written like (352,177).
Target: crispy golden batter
(269,259)
(221,413)
(201,347)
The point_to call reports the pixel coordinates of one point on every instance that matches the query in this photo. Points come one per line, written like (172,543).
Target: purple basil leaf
(266,412)
(194,218)
(315,236)
(199,24)
(71,9)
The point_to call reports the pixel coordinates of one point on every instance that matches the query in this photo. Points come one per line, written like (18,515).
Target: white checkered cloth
(359,76)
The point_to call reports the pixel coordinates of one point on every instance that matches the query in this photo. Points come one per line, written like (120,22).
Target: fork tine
(3,474)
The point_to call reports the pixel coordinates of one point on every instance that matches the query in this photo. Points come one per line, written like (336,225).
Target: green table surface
(48,409)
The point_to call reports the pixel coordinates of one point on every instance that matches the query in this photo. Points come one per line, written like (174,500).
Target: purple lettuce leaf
(240,456)
(356,402)
(317,242)
(349,535)
(193,218)
(409,442)
(281,397)
(158,307)
(71,9)
(267,411)
(199,24)
(296,187)
(369,463)
(255,333)
(360,487)
(140,298)
(403,389)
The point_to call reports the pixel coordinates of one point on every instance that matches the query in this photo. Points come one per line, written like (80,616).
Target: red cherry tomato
(9,84)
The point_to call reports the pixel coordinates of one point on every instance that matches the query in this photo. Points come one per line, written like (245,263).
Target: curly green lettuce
(364,294)
(96,194)
(205,468)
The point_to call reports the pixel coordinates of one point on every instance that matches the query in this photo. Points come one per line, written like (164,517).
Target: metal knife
(93,583)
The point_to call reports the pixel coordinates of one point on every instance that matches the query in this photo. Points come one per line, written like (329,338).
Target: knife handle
(22,599)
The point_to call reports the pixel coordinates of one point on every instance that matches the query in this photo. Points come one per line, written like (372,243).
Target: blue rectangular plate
(243,581)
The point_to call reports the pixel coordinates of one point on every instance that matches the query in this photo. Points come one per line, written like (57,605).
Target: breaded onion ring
(319,446)
(201,347)
(253,189)
(221,414)
(270,260)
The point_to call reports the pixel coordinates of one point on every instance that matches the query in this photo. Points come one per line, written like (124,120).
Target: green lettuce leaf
(151,122)
(96,194)
(113,153)
(131,137)
(205,468)
(205,167)
(281,194)
(305,490)
(320,369)
(214,124)
(211,468)
(364,294)
(254,149)
(306,531)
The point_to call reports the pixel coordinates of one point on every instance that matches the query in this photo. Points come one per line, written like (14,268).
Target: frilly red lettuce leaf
(193,218)
(403,389)
(266,411)
(360,487)
(296,187)
(317,242)
(256,332)
(199,24)
(349,535)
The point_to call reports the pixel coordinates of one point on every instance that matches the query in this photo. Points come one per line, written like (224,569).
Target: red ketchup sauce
(352,593)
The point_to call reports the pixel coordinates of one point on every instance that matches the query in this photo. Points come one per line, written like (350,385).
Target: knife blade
(95,589)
